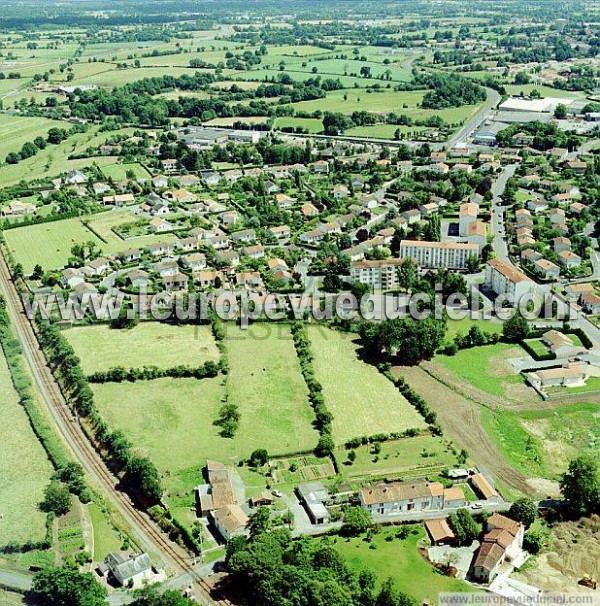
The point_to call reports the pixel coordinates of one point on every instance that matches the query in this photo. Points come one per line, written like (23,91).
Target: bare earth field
(460,418)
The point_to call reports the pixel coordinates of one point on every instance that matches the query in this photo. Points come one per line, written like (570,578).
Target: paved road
(499,243)
(461,137)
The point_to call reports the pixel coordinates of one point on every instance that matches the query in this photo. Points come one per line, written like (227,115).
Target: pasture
(47,244)
(266,384)
(100,347)
(363,402)
(16,130)
(24,469)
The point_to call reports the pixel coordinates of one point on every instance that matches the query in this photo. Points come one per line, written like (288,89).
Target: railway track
(85,452)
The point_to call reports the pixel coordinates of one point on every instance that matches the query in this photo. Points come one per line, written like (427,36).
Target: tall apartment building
(505,279)
(380,275)
(452,255)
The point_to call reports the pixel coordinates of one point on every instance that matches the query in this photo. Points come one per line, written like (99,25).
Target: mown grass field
(463,326)
(389,557)
(485,367)
(48,244)
(542,442)
(16,130)
(118,172)
(24,469)
(106,538)
(266,384)
(148,344)
(363,402)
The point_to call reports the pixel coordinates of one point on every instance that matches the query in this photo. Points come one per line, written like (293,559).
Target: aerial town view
(299,302)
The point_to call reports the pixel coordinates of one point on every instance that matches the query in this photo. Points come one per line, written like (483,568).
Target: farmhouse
(503,541)
(396,497)
(218,492)
(230,521)
(572,374)
(132,572)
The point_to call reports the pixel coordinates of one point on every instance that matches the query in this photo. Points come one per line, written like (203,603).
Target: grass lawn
(24,469)
(536,344)
(485,367)
(313,125)
(399,560)
(118,172)
(106,538)
(463,326)
(543,442)
(266,384)
(421,453)
(150,343)
(362,401)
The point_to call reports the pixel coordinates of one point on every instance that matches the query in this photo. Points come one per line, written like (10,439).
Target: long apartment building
(453,255)
(379,274)
(505,279)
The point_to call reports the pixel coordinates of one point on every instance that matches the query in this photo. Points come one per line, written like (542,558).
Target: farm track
(460,417)
(83,450)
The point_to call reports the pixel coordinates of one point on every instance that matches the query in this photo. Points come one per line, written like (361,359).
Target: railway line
(84,451)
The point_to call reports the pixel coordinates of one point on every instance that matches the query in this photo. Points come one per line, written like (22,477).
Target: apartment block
(453,255)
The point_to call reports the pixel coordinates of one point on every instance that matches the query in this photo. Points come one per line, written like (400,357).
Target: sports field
(148,344)
(363,402)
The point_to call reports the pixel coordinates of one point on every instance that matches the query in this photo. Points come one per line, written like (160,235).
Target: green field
(148,344)
(16,130)
(106,538)
(543,442)
(49,244)
(118,172)
(399,560)
(486,367)
(362,401)
(24,469)
(463,326)
(266,384)
(422,454)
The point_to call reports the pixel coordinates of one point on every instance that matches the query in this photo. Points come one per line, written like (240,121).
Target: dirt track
(460,418)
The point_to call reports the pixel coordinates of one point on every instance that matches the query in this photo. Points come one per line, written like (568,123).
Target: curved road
(145,530)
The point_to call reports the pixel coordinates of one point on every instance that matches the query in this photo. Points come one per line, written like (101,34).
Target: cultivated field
(362,401)
(266,384)
(24,469)
(148,344)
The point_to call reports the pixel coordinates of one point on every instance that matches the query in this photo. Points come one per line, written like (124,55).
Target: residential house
(244,235)
(590,303)
(571,374)
(313,495)
(159,225)
(248,279)
(193,261)
(98,267)
(439,532)
(468,212)
(231,521)
(340,191)
(561,244)
(309,210)
(560,344)
(75,177)
(321,167)
(284,201)
(281,231)
(257,251)
(228,257)
(175,282)
(70,277)
(138,278)
(569,259)
(546,269)
(132,572)
(483,488)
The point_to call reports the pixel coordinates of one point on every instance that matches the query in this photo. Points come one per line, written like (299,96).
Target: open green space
(464,325)
(106,538)
(24,469)
(120,172)
(17,130)
(266,384)
(486,367)
(542,442)
(390,557)
(423,454)
(362,401)
(100,347)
